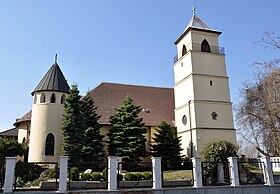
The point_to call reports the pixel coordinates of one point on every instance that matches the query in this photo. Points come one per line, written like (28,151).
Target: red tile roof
(158,102)
(26,117)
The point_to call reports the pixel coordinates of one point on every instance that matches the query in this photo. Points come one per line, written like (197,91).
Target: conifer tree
(126,137)
(73,126)
(167,146)
(93,147)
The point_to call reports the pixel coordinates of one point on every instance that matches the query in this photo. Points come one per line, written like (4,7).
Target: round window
(184,120)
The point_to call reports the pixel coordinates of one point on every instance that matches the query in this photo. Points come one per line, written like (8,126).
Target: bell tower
(203,109)
(47,115)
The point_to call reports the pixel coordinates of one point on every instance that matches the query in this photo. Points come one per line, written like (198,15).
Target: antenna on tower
(55,59)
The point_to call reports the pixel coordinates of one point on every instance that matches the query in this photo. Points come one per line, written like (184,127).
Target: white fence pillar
(10,174)
(197,173)
(112,172)
(157,179)
(63,166)
(233,167)
(267,170)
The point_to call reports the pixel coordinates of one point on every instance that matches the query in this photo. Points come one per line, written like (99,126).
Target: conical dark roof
(53,80)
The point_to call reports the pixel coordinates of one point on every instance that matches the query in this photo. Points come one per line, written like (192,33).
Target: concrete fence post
(9,174)
(233,168)
(157,179)
(267,170)
(112,172)
(197,173)
(63,166)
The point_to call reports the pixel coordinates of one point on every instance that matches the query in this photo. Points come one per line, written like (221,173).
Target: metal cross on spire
(55,59)
(193,9)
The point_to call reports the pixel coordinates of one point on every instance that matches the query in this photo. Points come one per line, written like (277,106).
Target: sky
(119,41)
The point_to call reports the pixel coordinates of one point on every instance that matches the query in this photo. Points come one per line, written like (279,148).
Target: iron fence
(87,175)
(41,176)
(251,173)
(134,175)
(177,174)
(215,173)
(2,177)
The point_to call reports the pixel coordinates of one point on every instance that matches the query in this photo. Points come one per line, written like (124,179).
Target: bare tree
(258,112)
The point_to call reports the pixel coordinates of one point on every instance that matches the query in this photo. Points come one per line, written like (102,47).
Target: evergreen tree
(93,147)
(126,137)
(167,146)
(73,126)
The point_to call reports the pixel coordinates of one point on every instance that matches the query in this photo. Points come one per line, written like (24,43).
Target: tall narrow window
(43,98)
(205,47)
(62,100)
(211,83)
(184,50)
(214,115)
(35,99)
(49,148)
(53,98)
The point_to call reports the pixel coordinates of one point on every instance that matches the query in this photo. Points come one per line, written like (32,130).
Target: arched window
(43,98)
(49,148)
(62,100)
(214,115)
(53,98)
(184,50)
(205,47)
(23,140)
(35,99)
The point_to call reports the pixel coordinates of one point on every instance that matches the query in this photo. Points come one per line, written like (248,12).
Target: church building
(198,106)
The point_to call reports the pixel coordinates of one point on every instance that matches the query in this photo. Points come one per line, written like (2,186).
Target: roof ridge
(159,87)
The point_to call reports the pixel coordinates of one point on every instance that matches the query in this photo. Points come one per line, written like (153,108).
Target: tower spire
(193,10)
(55,59)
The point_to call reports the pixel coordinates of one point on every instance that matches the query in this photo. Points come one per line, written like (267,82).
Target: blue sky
(120,41)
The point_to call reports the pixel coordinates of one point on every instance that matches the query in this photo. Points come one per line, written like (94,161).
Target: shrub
(147,175)
(52,173)
(130,176)
(86,177)
(74,174)
(139,176)
(96,176)
(104,173)
(28,172)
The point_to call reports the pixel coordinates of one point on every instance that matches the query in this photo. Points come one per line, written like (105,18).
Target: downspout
(191,143)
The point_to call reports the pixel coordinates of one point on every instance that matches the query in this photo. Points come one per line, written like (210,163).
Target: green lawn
(177,175)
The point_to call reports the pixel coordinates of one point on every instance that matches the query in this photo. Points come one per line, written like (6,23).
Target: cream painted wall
(46,118)
(208,63)
(184,92)
(22,133)
(203,111)
(183,68)
(219,91)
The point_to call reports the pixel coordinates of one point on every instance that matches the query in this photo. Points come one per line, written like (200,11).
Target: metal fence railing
(41,176)
(2,177)
(251,173)
(177,174)
(134,175)
(87,175)
(215,173)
